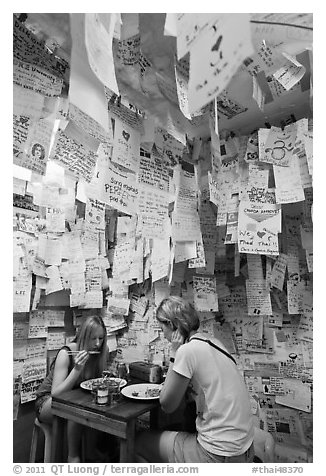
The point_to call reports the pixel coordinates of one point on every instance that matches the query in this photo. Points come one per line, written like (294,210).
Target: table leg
(127,446)
(58,426)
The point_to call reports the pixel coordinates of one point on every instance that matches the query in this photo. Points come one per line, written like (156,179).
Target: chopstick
(74,352)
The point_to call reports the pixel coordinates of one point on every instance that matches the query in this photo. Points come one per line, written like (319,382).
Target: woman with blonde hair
(202,366)
(67,372)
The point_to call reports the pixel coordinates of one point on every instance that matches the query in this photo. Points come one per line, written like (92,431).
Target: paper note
(231,235)
(113,322)
(185,226)
(27,103)
(54,318)
(155,172)
(53,250)
(95,214)
(126,146)
(295,296)
(288,182)
(55,340)
(22,287)
(182,90)
(255,267)
(129,50)
(160,259)
(34,78)
(85,89)
(86,123)
(35,145)
(278,272)
(37,324)
(258,298)
(76,152)
(98,42)
(279,145)
(258,228)
(185,250)
(190,28)
(55,220)
(28,390)
(205,295)
(33,369)
(224,334)
(296,395)
(27,47)
(258,94)
(211,73)
(153,211)
(120,189)
(290,73)
(169,146)
(54,284)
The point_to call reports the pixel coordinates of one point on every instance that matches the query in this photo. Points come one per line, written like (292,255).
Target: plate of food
(142,391)
(88,384)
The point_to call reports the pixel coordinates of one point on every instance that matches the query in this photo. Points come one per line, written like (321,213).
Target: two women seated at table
(67,371)
(224,422)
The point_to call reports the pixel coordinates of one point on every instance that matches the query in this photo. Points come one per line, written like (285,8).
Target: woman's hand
(176,341)
(81,359)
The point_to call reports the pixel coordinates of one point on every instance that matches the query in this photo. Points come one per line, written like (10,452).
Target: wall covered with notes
(144,168)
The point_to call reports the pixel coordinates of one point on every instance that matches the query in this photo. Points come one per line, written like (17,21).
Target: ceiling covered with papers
(146,57)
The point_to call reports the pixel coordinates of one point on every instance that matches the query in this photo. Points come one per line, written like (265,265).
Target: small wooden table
(119,419)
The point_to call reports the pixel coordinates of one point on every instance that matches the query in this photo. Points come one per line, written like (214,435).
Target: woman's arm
(173,390)
(63,381)
(175,384)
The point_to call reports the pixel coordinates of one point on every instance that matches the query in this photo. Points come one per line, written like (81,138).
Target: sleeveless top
(46,386)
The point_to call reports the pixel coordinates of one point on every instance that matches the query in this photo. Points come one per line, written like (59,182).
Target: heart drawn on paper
(217,44)
(261,233)
(126,135)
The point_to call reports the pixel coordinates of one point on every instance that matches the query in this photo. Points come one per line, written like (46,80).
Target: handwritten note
(37,324)
(288,182)
(211,73)
(190,28)
(290,73)
(95,214)
(37,79)
(86,123)
(155,171)
(258,298)
(55,340)
(129,50)
(258,228)
(22,287)
(75,152)
(120,189)
(153,211)
(55,318)
(278,272)
(279,145)
(205,295)
(126,146)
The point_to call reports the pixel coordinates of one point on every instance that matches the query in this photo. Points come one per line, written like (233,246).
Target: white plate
(87,384)
(141,391)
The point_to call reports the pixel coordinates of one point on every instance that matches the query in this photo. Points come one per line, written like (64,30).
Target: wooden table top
(124,410)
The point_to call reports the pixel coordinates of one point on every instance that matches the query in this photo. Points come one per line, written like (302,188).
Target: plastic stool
(47,430)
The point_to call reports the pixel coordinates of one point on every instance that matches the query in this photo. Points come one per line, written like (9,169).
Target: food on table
(152,392)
